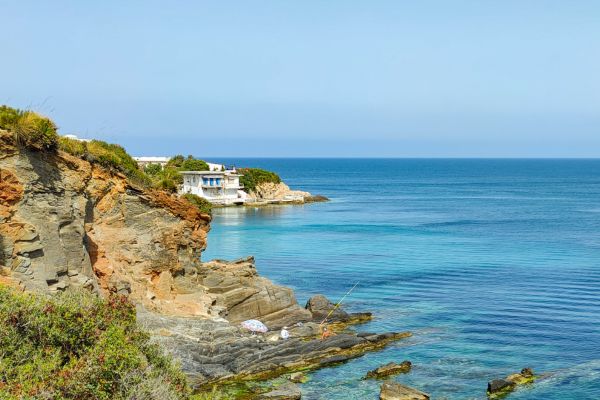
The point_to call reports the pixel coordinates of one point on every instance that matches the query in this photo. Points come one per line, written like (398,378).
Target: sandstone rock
(64,222)
(284,392)
(237,287)
(394,391)
(389,369)
(320,307)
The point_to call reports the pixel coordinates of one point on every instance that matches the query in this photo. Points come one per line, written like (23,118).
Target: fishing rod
(339,302)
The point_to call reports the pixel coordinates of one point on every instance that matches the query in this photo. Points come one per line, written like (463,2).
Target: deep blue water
(494,265)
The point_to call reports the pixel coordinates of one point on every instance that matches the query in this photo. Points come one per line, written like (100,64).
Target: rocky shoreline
(216,351)
(68,224)
(278,194)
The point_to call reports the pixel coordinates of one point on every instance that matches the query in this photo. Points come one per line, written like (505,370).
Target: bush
(192,164)
(153,169)
(110,156)
(79,346)
(203,205)
(255,176)
(74,147)
(29,129)
(176,161)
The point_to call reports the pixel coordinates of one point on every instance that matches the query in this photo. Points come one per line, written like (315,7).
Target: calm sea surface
(494,265)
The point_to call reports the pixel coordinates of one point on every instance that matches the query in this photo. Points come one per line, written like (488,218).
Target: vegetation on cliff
(29,128)
(203,205)
(79,346)
(110,156)
(252,177)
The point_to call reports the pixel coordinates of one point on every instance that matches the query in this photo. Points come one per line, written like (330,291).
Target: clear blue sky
(312,78)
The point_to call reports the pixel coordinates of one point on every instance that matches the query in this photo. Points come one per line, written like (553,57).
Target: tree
(153,169)
(194,165)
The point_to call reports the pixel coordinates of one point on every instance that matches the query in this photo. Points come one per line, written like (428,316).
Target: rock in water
(394,391)
(389,369)
(499,387)
(288,391)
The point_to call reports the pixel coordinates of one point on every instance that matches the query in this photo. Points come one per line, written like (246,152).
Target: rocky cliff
(65,222)
(68,223)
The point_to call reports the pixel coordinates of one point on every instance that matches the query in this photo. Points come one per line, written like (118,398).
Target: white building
(143,161)
(218,186)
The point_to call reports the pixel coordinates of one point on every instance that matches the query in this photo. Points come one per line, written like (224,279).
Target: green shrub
(255,176)
(203,205)
(29,129)
(168,179)
(153,169)
(79,346)
(192,164)
(110,156)
(176,161)
(74,147)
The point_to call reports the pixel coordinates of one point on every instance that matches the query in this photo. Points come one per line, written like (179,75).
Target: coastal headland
(68,223)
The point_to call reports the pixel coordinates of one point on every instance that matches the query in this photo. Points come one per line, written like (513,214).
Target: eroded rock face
(394,391)
(240,294)
(67,223)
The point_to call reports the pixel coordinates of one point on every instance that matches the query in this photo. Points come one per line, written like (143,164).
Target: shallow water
(494,265)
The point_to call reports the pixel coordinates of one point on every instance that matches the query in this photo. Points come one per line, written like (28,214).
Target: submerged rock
(288,391)
(389,369)
(500,387)
(394,391)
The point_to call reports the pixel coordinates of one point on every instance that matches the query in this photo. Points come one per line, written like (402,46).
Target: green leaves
(29,129)
(255,176)
(78,346)
(203,205)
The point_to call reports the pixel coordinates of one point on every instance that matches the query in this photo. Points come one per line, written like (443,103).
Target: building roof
(229,173)
(152,159)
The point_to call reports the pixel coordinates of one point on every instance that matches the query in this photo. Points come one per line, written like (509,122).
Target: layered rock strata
(218,351)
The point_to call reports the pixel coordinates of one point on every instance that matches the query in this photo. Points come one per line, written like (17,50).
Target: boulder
(320,308)
(394,391)
(289,391)
(389,369)
(499,387)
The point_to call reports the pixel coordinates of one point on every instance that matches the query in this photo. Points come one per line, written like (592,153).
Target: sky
(311,78)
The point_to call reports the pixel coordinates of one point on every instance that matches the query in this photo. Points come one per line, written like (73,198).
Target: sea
(492,264)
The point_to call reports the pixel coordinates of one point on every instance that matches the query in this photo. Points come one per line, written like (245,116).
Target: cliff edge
(66,222)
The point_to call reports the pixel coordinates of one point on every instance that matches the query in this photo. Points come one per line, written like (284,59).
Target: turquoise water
(494,265)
